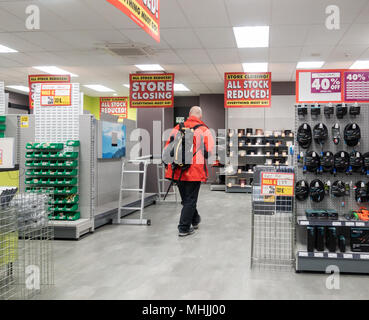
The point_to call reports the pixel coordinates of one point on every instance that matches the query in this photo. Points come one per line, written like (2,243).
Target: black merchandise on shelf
(354,110)
(352,134)
(366,163)
(315,110)
(338,189)
(302,190)
(320,133)
(302,110)
(342,243)
(356,162)
(341,161)
(359,239)
(317,190)
(320,235)
(331,239)
(311,239)
(336,134)
(328,111)
(361,192)
(341,111)
(327,161)
(312,162)
(304,136)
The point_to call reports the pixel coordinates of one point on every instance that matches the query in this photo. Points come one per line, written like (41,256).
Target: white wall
(281,115)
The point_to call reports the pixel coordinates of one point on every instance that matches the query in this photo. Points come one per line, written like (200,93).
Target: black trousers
(189,191)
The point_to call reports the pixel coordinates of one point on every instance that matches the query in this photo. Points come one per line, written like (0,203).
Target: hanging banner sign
(33,80)
(356,85)
(116,106)
(277,184)
(145,13)
(56,95)
(319,86)
(151,90)
(247,90)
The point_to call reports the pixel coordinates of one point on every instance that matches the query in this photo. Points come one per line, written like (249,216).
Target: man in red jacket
(190,179)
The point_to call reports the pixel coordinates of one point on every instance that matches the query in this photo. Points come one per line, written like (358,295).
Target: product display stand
(219,183)
(314,258)
(245,151)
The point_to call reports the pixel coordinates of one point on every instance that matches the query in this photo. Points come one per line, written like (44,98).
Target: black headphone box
(359,239)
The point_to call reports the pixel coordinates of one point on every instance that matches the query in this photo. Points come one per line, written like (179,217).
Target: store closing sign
(247,90)
(33,80)
(151,90)
(53,95)
(277,184)
(145,13)
(116,106)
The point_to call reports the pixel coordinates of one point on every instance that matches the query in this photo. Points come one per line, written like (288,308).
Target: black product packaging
(359,239)
(320,235)
(310,239)
(331,240)
(342,243)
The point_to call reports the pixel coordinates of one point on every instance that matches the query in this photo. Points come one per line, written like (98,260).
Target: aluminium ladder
(141,221)
(160,169)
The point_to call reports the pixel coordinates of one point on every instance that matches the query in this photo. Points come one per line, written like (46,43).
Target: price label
(364,256)
(336,224)
(303,254)
(318,255)
(347,256)
(304,223)
(360,224)
(350,224)
(332,255)
(325,82)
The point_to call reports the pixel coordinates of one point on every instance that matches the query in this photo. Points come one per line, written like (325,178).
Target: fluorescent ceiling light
(126,85)
(149,67)
(115,94)
(252,37)
(98,87)
(54,70)
(360,64)
(180,87)
(310,64)
(255,67)
(19,88)
(4,49)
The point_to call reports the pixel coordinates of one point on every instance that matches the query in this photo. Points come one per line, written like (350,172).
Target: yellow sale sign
(53,95)
(277,184)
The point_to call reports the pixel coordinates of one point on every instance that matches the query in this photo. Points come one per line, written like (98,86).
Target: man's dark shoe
(196,226)
(186,233)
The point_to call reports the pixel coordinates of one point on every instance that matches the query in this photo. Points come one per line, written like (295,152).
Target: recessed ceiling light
(115,94)
(54,70)
(252,37)
(255,67)
(149,67)
(4,49)
(310,64)
(19,88)
(126,85)
(180,87)
(360,64)
(98,88)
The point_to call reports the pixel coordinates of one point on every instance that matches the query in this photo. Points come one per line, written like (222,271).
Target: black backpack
(180,151)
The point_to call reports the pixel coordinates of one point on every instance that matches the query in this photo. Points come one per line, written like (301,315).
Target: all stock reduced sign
(151,90)
(116,106)
(247,90)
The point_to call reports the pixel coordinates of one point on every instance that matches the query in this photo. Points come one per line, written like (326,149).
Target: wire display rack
(273,226)
(26,250)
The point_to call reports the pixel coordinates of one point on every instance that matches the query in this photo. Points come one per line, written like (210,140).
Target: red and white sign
(326,82)
(151,90)
(56,95)
(145,13)
(247,90)
(277,184)
(356,85)
(33,80)
(116,106)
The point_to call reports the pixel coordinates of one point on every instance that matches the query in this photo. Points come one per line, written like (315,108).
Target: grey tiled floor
(140,262)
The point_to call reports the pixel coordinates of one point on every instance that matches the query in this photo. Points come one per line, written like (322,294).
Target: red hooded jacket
(198,170)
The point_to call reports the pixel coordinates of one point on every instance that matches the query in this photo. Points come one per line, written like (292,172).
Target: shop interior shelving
(347,261)
(219,183)
(247,150)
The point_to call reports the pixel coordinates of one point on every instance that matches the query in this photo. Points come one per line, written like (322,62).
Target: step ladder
(142,161)
(162,190)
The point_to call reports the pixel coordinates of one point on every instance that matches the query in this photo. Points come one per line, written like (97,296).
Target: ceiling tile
(356,34)
(224,56)
(282,68)
(141,37)
(316,53)
(320,35)
(205,13)
(216,38)
(191,56)
(249,13)
(253,54)
(171,15)
(347,53)
(181,38)
(223,68)
(288,36)
(284,54)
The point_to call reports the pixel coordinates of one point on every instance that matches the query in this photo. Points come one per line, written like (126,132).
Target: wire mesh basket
(273,226)
(26,252)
